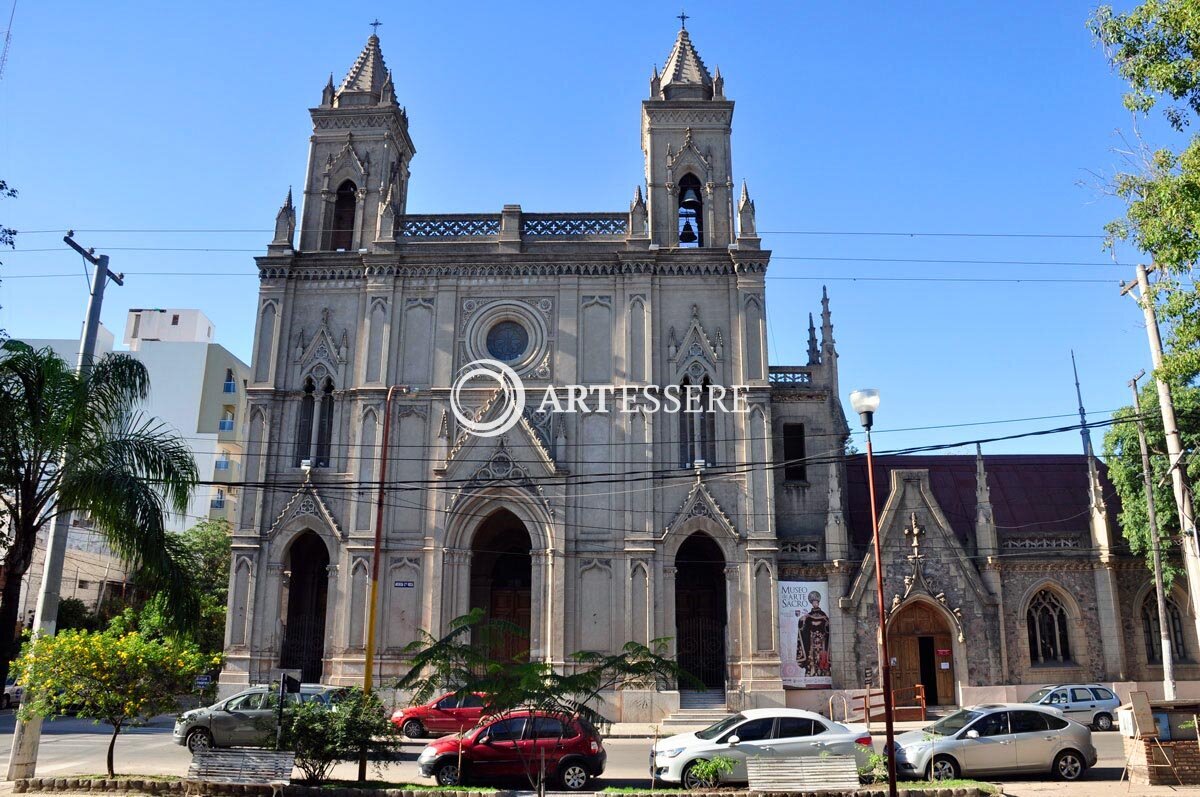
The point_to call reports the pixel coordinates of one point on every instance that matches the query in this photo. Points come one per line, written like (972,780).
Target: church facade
(736,533)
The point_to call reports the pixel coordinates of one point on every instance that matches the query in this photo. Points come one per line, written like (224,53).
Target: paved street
(78,746)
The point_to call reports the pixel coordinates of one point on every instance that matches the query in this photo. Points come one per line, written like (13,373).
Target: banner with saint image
(804,644)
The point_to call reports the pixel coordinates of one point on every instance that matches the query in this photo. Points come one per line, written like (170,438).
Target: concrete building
(198,392)
(732,532)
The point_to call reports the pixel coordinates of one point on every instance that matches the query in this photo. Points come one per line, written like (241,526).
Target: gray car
(997,739)
(246,719)
(1090,704)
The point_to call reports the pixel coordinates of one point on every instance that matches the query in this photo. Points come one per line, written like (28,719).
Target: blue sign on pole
(203,681)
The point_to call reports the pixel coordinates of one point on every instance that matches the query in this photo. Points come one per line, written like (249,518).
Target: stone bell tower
(686,125)
(357,182)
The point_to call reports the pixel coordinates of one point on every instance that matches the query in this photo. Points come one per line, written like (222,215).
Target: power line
(845,233)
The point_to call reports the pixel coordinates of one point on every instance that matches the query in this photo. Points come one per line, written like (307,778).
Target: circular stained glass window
(507,341)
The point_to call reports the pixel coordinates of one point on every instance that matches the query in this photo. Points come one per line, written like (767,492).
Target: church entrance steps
(710,699)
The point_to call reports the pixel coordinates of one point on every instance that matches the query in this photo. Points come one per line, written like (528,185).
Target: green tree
(76,442)
(1155,47)
(209,544)
(74,613)
(322,736)
(116,676)
(1124,458)
(463,659)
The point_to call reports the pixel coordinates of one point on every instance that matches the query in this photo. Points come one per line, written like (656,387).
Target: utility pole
(1183,498)
(23,760)
(1168,655)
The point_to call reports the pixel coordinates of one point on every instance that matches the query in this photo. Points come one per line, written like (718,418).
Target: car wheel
(693,780)
(943,767)
(573,776)
(413,729)
(1069,765)
(198,740)
(447,774)
(1103,722)
(7,702)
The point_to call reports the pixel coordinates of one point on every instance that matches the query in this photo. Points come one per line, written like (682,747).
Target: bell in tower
(357,182)
(686,126)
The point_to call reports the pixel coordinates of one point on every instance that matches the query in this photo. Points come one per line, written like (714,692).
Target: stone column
(539,610)
(668,628)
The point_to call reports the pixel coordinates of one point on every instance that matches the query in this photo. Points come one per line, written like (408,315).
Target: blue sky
(851,118)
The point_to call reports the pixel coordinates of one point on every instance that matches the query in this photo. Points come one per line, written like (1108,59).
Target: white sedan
(774,732)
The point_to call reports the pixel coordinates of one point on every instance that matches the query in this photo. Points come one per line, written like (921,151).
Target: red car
(514,746)
(447,714)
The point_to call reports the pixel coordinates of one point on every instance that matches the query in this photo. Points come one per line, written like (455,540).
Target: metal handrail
(845,707)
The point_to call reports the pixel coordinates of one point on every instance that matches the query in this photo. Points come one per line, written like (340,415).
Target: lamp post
(865,402)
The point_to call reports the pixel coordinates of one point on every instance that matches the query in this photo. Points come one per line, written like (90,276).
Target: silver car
(1090,704)
(246,719)
(994,739)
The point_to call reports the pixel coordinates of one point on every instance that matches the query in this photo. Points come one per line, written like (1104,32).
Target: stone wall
(1074,583)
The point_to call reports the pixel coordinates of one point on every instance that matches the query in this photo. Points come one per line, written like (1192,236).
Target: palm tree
(76,443)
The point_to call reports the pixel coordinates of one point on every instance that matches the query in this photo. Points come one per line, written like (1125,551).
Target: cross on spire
(683,18)
(375,26)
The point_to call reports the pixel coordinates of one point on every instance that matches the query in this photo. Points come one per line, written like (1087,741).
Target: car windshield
(1039,694)
(713,731)
(954,723)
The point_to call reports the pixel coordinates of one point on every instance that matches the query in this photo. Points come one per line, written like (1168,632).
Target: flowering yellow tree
(118,676)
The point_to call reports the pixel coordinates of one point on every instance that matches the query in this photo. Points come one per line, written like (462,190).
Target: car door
(229,723)
(259,729)
(754,738)
(993,750)
(1082,705)
(441,717)
(499,756)
(1034,741)
(470,710)
(546,737)
(796,736)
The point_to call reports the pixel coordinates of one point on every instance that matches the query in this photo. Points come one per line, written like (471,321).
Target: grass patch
(123,776)
(386,784)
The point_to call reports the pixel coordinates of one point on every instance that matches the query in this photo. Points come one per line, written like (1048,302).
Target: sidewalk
(646,730)
(1092,788)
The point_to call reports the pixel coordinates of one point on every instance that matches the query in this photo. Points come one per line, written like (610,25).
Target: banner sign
(804,628)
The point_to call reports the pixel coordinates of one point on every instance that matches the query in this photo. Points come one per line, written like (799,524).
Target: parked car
(994,739)
(12,694)
(1089,704)
(514,746)
(449,713)
(773,732)
(246,719)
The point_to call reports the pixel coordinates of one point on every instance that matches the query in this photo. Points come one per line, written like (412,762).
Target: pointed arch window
(345,204)
(325,425)
(1150,630)
(1049,639)
(304,424)
(697,424)
(691,212)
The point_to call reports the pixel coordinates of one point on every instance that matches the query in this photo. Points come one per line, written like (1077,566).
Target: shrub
(321,736)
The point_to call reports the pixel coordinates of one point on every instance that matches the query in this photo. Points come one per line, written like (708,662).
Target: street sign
(405,585)
(203,681)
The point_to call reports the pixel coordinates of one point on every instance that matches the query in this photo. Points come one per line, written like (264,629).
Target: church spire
(367,77)
(684,76)
(814,354)
(826,320)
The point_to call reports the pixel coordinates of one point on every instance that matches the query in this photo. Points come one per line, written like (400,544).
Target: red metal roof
(1030,493)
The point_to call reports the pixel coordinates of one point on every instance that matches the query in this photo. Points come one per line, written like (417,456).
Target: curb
(141,786)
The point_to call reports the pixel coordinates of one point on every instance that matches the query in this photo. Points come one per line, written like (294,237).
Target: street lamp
(865,402)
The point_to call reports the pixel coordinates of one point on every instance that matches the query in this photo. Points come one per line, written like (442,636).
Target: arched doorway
(304,636)
(700,609)
(919,640)
(501,579)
